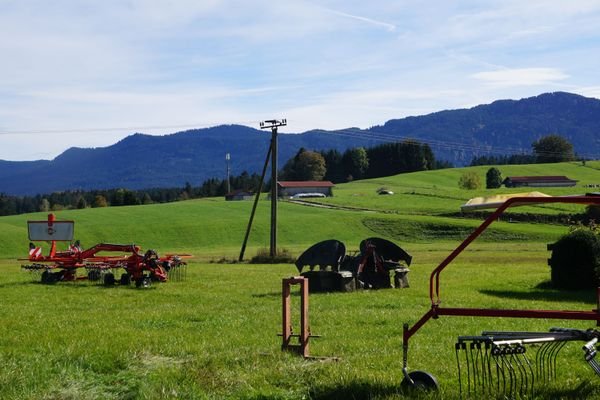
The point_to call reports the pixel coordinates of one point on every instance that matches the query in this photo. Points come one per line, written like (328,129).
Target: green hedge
(575,260)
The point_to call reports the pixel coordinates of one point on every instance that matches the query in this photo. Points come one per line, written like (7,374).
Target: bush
(575,260)
(469,181)
(263,256)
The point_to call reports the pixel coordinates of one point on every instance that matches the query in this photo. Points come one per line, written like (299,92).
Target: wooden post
(302,347)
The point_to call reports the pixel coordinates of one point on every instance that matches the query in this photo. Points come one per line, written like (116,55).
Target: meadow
(214,335)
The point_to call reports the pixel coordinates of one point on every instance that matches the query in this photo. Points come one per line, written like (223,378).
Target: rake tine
(457,348)
(510,370)
(530,368)
(488,357)
(481,348)
(469,367)
(474,363)
(539,361)
(496,354)
(552,356)
(522,371)
(482,367)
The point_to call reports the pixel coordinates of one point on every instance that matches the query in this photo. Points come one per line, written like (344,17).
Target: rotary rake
(130,264)
(507,364)
(511,363)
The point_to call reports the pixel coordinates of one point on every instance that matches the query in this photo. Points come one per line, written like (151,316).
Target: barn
(293,188)
(539,181)
(240,194)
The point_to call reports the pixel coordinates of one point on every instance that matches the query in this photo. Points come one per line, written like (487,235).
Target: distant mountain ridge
(143,161)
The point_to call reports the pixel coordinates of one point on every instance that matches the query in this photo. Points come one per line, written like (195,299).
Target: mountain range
(144,161)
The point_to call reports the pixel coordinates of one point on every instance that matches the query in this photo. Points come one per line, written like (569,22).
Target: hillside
(213,335)
(144,161)
(420,211)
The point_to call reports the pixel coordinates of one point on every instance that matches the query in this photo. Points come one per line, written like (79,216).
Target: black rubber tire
(94,275)
(46,277)
(422,381)
(109,279)
(143,282)
(125,279)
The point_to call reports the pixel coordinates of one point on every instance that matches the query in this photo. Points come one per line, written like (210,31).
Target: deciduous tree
(553,148)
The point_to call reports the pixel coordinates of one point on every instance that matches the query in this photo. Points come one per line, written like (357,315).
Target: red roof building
(539,181)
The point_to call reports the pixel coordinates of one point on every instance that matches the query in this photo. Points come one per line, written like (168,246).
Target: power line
(374,135)
(371,134)
(128,128)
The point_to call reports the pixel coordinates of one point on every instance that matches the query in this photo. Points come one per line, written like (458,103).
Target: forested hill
(143,161)
(506,125)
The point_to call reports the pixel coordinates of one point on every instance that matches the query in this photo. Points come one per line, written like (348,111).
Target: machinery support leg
(302,347)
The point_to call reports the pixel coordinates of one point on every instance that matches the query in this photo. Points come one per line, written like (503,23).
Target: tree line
(78,199)
(360,163)
(355,163)
(548,149)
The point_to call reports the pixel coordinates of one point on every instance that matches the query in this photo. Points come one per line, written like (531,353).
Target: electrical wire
(371,134)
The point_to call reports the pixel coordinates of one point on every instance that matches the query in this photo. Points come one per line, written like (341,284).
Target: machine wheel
(143,282)
(109,279)
(422,381)
(125,279)
(94,275)
(47,277)
(51,277)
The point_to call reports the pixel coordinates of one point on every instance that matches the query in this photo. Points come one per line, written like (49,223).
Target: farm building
(239,194)
(291,188)
(538,181)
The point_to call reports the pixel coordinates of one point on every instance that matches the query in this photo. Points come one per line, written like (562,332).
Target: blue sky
(88,73)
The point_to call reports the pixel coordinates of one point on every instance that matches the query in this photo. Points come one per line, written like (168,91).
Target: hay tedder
(369,268)
(506,364)
(123,260)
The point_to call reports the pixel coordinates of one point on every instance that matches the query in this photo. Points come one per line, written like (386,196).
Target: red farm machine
(102,262)
(505,364)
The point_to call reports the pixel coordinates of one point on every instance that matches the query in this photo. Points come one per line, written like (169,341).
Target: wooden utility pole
(273,124)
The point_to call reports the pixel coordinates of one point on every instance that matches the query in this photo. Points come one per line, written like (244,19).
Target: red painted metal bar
(434,280)
(487,312)
(51,219)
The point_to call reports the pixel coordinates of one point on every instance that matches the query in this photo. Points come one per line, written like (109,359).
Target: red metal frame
(434,280)
(134,262)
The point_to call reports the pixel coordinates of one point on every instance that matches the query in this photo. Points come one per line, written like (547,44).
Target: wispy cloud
(521,77)
(387,26)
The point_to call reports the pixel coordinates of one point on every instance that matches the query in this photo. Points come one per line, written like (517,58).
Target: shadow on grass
(355,390)
(585,390)
(272,294)
(545,292)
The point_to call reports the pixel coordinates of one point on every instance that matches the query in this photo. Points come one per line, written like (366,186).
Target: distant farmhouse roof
(304,184)
(538,181)
(302,188)
(239,194)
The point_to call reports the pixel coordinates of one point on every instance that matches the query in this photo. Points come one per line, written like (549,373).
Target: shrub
(575,260)
(469,180)
(263,256)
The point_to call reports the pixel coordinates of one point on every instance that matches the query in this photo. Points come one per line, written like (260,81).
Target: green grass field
(214,335)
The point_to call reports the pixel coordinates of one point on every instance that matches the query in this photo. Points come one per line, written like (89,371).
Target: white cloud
(82,65)
(521,77)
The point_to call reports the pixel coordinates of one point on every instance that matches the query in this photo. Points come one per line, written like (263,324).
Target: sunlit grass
(214,335)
